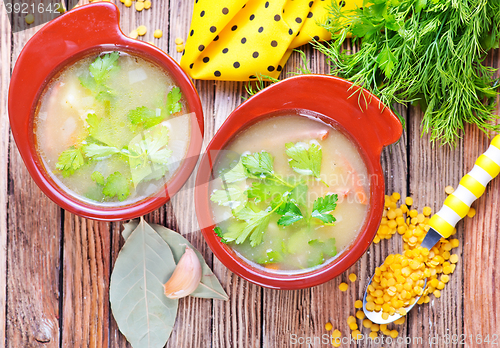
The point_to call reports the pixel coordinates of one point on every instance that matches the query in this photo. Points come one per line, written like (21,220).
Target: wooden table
(55,266)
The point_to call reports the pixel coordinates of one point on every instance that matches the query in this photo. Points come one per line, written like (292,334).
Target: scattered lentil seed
(360,315)
(128,3)
(353,277)
(179,41)
(358,304)
(179,48)
(471,213)
(328,326)
(139,6)
(134,34)
(29,18)
(449,189)
(142,30)
(343,286)
(158,33)
(147,4)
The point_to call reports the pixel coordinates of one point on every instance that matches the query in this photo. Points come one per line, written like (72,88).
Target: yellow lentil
(351,319)
(358,304)
(139,6)
(328,326)
(158,33)
(128,3)
(409,201)
(336,333)
(179,48)
(373,335)
(147,4)
(29,19)
(449,189)
(353,326)
(357,335)
(393,333)
(367,323)
(179,41)
(133,34)
(471,213)
(343,286)
(353,277)
(142,30)
(360,314)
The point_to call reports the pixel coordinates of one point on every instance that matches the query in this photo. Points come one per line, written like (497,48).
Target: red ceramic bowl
(335,102)
(89,30)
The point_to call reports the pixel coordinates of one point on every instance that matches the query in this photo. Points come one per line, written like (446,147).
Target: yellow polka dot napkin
(238,40)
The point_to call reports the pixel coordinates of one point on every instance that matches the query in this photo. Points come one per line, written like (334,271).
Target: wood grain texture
(33,252)
(431,169)
(481,274)
(39,235)
(5,47)
(86,272)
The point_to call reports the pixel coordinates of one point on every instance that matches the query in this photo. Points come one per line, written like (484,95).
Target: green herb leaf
(117,185)
(149,156)
(323,206)
(103,66)
(253,224)
(98,178)
(218,233)
(386,61)
(231,196)
(290,214)
(147,117)
(259,164)
(143,314)
(235,174)
(96,151)
(305,161)
(272,256)
(264,190)
(69,161)
(173,101)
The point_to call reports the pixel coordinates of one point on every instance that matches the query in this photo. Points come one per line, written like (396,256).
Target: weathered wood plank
(431,169)
(33,251)
(5,47)
(86,271)
(481,272)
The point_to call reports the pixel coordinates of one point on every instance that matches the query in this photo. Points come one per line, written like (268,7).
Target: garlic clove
(186,276)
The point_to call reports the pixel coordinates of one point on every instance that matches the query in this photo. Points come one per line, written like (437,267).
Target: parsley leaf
(99,129)
(103,66)
(272,256)
(117,185)
(231,196)
(218,233)
(253,224)
(263,190)
(304,161)
(98,178)
(173,101)
(259,164)
(145,116)
(149,156)
(323,206)
(69,161)
(96,151)
(237,173)
(290,213)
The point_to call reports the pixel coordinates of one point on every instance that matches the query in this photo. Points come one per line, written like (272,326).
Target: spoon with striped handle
(456,206)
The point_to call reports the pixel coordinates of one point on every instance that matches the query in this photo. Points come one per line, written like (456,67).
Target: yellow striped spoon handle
(471,187)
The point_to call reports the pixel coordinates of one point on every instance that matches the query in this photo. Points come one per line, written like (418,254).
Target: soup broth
(291,193)
(112,129)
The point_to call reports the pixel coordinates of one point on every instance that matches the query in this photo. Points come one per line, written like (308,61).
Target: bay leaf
(210,286)
(144,315)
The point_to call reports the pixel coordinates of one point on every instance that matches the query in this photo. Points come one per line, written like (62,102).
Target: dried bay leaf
(210,286)
(144,315)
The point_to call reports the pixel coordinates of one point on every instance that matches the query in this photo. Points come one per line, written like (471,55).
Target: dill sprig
(428,52)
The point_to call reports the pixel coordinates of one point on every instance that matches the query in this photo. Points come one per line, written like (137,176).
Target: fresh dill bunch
(428,52)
